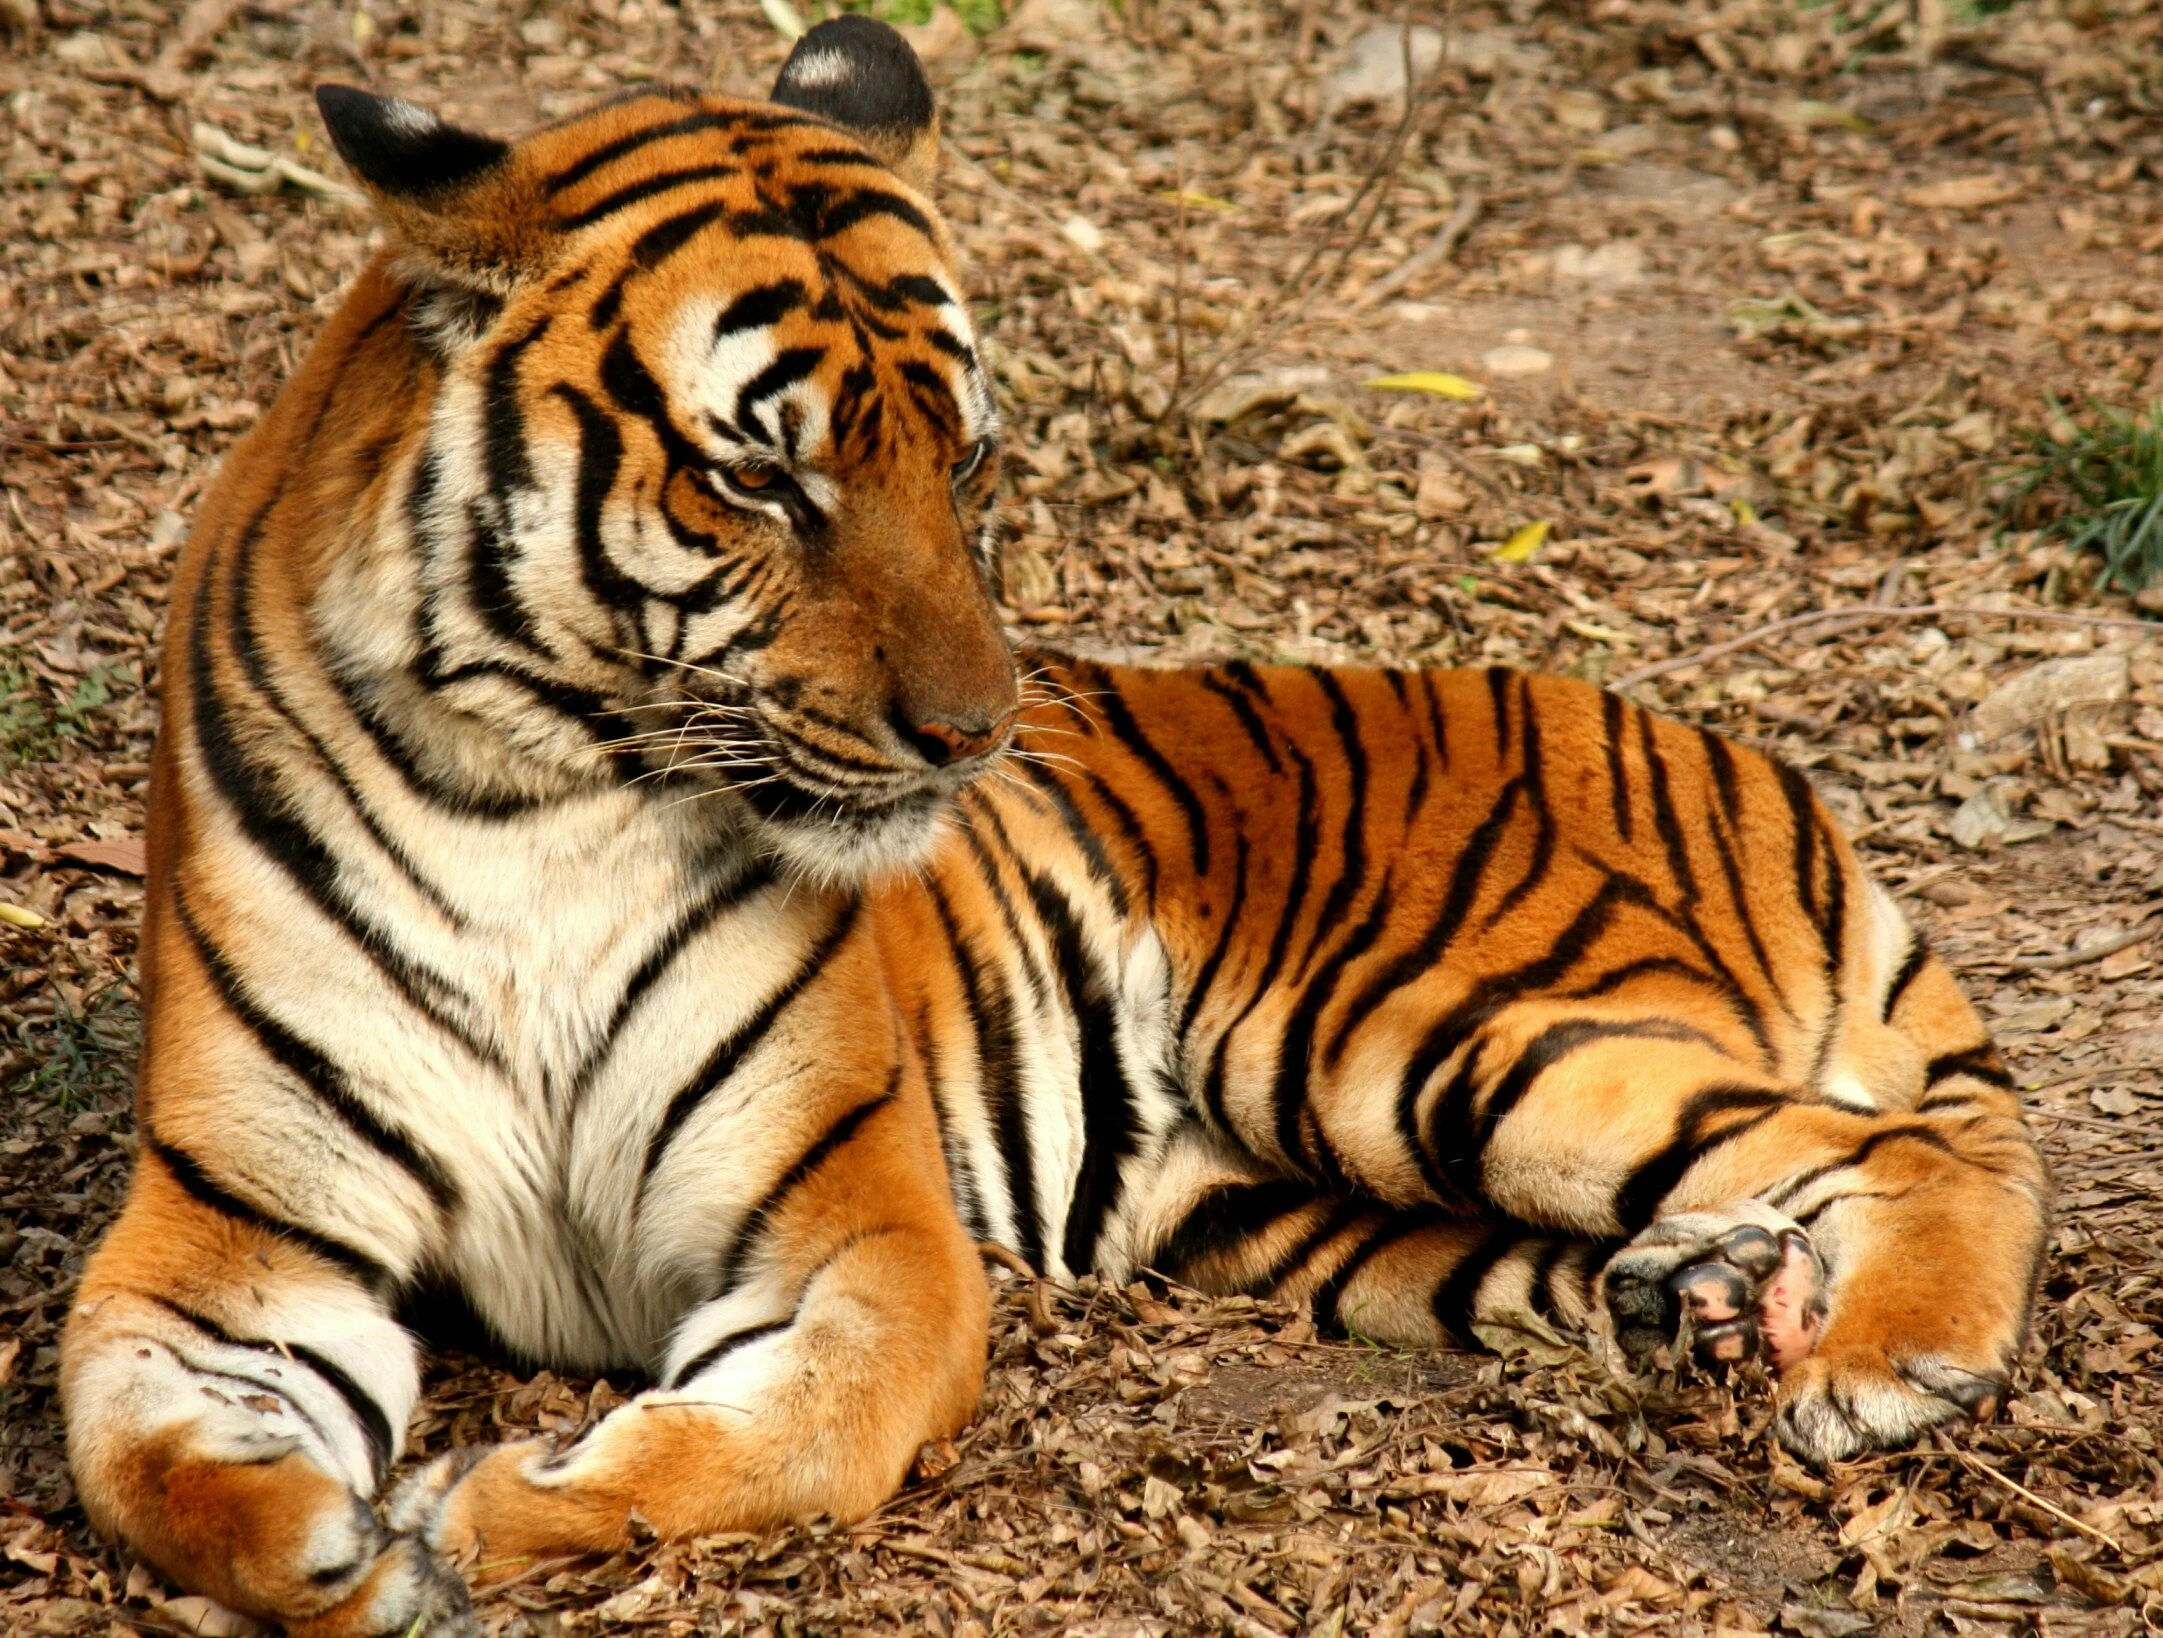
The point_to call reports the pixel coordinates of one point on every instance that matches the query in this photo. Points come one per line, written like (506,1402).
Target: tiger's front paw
(408,1593)
(1848,1399)
(496,1509)
(1728,1286)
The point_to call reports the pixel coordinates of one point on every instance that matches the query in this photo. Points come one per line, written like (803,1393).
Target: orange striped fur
(608,873)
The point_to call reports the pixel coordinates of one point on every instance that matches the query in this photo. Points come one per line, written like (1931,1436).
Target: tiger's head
(705,491)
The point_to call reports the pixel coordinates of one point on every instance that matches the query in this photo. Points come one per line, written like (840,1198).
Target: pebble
(1516,359)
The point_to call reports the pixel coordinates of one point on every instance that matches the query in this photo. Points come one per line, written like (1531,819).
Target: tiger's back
(606,862)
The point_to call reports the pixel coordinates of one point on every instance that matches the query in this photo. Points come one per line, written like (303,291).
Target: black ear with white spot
(860,74)
(399,148)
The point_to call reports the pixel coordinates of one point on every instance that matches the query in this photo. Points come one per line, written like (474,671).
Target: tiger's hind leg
(233,1400)
(1925,1205)
(1406,1277)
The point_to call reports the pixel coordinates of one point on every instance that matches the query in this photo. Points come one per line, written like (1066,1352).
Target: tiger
(611,876)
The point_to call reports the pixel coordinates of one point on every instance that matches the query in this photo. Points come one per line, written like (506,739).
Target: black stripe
(1664,818)
(1341,1215)
(1911,967)
(1792,1190)
(1465,879)
(1618,778)
(1637,1201)
(1303,845)
(1111,1122)
(1249,718)
(700,1363)
(789,366)
(717,901)
(1541,1292)
(1120,720)
(1455,1299)
(729,1054)
(1551,1047)
(1224,1219)
(1085,838)
(1394,1229)
(600,458)
(998,1073)
(1534,782)
(1295,1052)
(1206,977)
(1979,1063)
(375,1423)
(275,826)
(1352,871)
(760,1216)
(329,1084)
(189,1174)
(608,153)
(760,306)
(1437,719)
(669,235)
(644,188)
(1802,809)
(1498,699)
(508,470)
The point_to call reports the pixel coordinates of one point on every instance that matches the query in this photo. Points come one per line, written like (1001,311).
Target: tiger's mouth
(838,811)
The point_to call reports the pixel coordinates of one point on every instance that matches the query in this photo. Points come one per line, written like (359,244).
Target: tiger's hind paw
(1849,1400)
(1730,1286)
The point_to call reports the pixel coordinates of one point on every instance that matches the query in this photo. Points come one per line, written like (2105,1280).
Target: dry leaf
(1523,542)
(1430,381)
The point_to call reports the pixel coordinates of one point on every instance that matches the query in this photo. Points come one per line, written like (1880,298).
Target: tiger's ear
(860,74)
(448,194)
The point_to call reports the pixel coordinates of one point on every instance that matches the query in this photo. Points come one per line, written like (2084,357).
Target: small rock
(1083,234)
(1240,396)
(2149,599)
(2050,689)
(1986,820)
(1517,360)
(1373,65)
(84,49)
(1618,262)
(1046,25)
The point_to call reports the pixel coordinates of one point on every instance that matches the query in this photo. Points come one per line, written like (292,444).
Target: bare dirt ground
(1763,299)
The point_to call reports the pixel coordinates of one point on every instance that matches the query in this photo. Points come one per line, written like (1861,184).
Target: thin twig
(2052,1508)
(1292,294)
(1867,616)
(2086,953)
(1428,257)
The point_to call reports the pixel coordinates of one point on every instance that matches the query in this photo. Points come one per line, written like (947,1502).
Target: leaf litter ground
(1761,302)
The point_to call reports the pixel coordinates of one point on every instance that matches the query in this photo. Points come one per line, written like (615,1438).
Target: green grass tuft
(2108,478)
(979,16)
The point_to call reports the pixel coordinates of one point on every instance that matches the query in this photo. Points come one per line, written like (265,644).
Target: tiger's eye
(754,477)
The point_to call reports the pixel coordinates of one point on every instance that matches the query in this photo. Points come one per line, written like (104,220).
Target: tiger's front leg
(850,1327)
(234,1398)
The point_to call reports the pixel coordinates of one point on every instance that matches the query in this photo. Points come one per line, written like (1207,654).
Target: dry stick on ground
(2087,953)
(1868,615)
(1365,208)
(1976,1464)
(1428,257)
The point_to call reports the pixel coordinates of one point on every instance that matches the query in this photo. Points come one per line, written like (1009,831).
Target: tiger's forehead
(773,280)
(775,172)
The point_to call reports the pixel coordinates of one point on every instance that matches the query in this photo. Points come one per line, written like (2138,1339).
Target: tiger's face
(706,493)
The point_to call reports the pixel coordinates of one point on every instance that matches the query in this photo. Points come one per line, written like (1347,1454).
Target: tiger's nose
(941,743)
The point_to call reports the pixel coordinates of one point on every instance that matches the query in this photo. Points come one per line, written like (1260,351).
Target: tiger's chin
(834,845)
